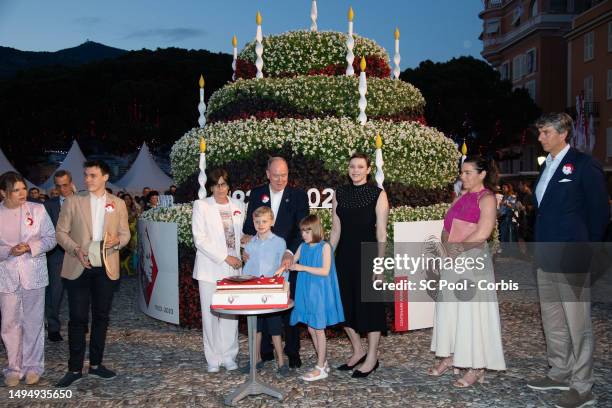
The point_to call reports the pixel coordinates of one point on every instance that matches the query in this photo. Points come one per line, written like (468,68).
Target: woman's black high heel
(346,367)
(361,374)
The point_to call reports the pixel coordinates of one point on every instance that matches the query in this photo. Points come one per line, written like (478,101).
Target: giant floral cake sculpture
(305,108)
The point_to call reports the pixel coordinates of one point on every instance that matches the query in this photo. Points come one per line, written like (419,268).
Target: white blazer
(209,239)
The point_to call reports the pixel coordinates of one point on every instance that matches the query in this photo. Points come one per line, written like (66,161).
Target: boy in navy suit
(289,206)
(572,210)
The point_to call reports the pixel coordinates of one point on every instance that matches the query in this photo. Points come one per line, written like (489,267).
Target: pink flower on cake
(265,198)
(568,169)
(109,207)
(237,212)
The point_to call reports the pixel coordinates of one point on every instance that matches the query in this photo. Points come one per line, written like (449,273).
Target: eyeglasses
(220,185)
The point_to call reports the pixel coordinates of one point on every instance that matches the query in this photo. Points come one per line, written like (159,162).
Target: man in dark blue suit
(55,257)
(572,212)
(289,205)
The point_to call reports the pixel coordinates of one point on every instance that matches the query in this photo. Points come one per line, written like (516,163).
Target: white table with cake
(251,296)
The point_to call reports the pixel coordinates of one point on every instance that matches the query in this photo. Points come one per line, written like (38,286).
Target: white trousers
(23,313)
(220,332)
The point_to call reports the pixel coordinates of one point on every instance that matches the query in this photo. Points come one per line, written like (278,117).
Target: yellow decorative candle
(351,14)
(362,64)
(258,18)
(378,141)
(202,145)
(201,81)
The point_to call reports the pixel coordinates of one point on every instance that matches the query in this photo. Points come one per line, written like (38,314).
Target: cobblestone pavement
(161,365)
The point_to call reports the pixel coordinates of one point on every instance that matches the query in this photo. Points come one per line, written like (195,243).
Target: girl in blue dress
(317,297)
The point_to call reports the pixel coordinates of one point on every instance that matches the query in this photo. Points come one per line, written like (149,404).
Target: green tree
(466,98)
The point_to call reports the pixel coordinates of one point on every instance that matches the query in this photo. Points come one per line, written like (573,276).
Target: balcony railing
(590,108)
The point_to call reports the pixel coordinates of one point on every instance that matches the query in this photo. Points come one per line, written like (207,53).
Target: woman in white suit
(26,234)
(217,229)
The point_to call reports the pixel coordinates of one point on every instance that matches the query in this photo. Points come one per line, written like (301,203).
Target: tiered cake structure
(306,109)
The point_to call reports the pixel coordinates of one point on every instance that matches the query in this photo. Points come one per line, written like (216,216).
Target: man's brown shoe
(547,383)
(571,399)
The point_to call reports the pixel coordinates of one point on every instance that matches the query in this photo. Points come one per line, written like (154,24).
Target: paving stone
(162,365)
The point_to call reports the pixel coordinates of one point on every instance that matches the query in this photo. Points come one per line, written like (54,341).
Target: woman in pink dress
(467,331)
(26,234)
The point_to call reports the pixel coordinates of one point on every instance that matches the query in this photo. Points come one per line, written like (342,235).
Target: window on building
(492,27)
(533,9)
(609,87)
(589,39)
(588,88)
(504,71)
(530,86)
(609,142)
(530,61)
(517,68)
(516,15)
(610,36)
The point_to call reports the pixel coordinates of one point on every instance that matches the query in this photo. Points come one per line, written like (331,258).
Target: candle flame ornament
(202,105)
(464,151)
(350,44)
(380,175)
(397,57)
(313,16)
(234,61)
(259,47)
(363,89)
(202,165)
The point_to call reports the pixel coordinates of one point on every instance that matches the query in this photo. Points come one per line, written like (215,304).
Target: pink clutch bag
(460,230)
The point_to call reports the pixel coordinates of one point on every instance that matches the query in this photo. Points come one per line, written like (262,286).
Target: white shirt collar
(558,157)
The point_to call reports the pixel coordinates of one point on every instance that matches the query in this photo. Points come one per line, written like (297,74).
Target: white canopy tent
(5,165)
(144,173)
(74,164)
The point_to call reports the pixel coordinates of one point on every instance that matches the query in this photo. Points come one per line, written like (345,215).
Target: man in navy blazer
(572,211)
(289,205)
(55,257)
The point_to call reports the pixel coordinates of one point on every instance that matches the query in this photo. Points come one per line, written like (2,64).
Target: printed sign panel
(412,313)
(158,270)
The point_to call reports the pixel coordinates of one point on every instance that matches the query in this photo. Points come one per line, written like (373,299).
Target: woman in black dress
(360,213)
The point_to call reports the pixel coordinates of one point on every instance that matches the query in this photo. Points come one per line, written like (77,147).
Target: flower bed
(414,155)
(181,215)
(300,52)
(312,96)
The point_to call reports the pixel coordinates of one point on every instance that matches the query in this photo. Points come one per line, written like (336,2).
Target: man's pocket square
(564,181)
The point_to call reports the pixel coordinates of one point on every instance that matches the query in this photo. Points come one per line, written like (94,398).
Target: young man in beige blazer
(92,228)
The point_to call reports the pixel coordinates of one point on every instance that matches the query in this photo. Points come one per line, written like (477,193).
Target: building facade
(527,42)
(589,46)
